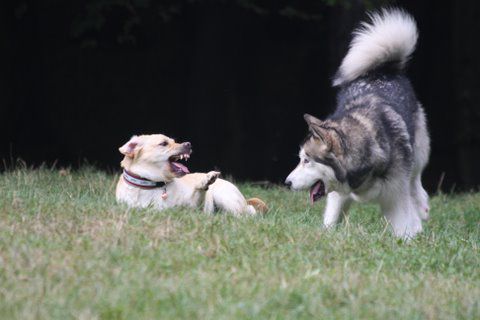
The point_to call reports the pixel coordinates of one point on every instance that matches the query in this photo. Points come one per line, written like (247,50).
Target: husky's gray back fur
(376,114)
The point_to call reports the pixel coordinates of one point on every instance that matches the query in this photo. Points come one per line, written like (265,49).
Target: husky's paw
(209,178)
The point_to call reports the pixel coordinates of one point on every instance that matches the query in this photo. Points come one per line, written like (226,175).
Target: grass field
(67,250)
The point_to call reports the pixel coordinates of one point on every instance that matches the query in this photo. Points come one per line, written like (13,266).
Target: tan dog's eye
(306,160)
(163,144)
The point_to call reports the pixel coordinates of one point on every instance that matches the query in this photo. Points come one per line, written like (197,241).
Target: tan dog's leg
(209,204)
(207,180)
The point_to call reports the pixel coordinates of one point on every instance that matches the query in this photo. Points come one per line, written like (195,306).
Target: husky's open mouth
(178,168)
(317,191)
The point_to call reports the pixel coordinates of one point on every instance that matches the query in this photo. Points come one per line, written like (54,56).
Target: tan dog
(153,176)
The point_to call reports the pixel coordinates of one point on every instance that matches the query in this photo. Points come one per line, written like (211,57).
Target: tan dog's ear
(130,148)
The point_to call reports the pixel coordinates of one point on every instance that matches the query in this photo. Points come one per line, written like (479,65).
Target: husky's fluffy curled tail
(390,37)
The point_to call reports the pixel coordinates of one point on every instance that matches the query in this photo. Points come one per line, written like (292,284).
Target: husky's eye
(163,144)
(306,160)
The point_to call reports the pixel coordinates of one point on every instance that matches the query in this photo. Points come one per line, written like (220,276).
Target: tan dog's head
(155,157)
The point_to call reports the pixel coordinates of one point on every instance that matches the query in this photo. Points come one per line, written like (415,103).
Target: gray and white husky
(375,145)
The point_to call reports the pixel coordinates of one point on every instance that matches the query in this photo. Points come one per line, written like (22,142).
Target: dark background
(78,78)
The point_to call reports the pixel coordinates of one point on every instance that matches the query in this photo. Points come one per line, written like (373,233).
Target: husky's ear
(311,120)
(131,148)
(315,127)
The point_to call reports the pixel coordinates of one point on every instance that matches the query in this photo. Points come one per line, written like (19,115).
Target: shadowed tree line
(233,77)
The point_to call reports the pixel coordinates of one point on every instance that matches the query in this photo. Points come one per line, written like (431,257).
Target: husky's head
(155,157)
(319,168)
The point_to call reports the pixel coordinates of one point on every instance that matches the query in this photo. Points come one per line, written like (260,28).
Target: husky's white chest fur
(373,193)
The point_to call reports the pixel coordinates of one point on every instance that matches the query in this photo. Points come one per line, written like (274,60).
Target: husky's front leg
(399,209)
(337,204)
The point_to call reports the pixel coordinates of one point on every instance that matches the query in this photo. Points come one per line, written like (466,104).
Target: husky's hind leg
(420,197)
(398,207)
(421,154)
(337,204)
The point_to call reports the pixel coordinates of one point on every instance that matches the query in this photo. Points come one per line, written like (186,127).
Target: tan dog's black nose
(288,183)
(187,144)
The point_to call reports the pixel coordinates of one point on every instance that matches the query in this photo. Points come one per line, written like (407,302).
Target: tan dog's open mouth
(179,169)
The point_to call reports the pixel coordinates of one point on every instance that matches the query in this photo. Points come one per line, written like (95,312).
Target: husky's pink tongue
(180,167)
(317,191)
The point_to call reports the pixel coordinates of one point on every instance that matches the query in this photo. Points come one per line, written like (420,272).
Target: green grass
(67,250)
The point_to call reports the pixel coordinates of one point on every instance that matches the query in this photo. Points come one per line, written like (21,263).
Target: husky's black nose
(288,183)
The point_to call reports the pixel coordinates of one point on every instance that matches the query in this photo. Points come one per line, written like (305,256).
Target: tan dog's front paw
(209,178)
